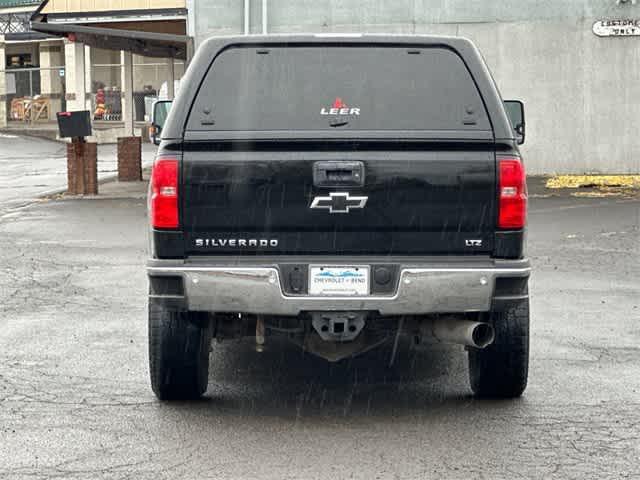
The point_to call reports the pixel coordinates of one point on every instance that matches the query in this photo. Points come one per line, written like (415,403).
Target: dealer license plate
(339,280)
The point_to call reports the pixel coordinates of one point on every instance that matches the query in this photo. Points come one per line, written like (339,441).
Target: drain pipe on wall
(264,17)
(247,4)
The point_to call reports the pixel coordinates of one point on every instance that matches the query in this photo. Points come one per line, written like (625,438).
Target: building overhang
(150,32)
(108,16)
(149,44)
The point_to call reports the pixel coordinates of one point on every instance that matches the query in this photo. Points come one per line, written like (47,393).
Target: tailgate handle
(338,174)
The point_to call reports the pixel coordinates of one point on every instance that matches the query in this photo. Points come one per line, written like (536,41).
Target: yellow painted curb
(584,181)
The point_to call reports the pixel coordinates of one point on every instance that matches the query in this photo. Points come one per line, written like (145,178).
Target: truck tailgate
(439,201)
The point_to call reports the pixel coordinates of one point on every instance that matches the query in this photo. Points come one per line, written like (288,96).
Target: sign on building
(617,28)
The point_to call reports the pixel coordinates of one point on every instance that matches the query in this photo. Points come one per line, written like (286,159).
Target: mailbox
(74,124)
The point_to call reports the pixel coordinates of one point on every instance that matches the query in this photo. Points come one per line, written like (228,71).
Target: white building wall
(581,92)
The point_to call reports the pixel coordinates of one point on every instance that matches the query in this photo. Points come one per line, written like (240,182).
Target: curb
(111,177)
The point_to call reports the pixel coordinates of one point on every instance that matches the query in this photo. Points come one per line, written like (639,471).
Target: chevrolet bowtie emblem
(339,202)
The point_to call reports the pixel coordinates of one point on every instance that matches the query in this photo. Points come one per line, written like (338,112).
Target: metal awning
(149,44)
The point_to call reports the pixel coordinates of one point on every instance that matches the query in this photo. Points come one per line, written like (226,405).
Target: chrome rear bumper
(258,290)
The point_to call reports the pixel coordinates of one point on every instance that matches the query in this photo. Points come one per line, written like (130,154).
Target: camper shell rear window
(252,88)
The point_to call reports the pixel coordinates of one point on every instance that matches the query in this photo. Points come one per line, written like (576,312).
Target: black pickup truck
(343,192)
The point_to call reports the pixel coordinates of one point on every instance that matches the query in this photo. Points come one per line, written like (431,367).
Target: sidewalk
(33,167)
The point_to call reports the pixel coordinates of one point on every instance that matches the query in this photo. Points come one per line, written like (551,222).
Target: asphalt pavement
(75,400)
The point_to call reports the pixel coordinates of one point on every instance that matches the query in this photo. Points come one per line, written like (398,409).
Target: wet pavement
(75,400)
(31,167)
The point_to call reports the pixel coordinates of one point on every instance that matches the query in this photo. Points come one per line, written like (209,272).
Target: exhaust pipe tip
(459,331)
(483,335)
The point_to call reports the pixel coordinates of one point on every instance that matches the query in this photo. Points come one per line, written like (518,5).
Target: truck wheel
(501,369)
(179,344)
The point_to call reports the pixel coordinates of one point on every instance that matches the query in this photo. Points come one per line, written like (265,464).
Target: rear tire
(501,369)
(179,344)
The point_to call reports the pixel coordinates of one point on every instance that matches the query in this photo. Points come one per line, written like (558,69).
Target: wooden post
(171,80)
(128,109)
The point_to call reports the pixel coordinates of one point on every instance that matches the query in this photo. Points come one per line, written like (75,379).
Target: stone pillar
(82,168)
(75,76)
(129,159)
(51,62)
(3,85)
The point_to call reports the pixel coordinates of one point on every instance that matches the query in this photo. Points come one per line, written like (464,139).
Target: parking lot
(75,400)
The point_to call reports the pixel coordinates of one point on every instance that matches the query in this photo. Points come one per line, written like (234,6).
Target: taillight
(512,184)
(163,193)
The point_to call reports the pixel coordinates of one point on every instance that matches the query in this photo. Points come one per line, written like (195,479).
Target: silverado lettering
(235,242)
